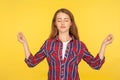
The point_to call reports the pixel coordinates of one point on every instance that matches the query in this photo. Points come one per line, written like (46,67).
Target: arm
(29,58)
(96,62)
(22,40)
(107,41)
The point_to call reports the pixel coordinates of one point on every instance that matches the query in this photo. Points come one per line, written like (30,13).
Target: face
(63,22)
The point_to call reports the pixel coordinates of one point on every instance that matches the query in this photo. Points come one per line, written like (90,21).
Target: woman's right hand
(21,38)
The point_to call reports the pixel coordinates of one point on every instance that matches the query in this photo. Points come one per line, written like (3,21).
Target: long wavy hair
(73,31)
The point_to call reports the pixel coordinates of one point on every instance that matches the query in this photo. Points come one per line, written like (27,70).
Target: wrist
(24,43)
(103,45)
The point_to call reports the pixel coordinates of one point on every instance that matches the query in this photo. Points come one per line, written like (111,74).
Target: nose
(62,22)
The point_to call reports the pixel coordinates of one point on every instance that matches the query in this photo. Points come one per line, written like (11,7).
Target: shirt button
(62,71)
(62,78)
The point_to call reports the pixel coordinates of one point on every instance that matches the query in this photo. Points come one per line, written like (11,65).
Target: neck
(64,37)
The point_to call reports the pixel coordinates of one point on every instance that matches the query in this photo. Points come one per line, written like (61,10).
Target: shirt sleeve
(37,58)
(94,62)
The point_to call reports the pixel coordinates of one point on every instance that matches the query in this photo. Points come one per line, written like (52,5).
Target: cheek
(57,24)
(69,24)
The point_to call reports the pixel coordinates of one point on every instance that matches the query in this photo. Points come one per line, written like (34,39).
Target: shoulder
(82,44)
(79,45)
(49,41)
(79,42)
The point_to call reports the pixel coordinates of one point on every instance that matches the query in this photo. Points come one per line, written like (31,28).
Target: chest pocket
(72,57)
(53,56)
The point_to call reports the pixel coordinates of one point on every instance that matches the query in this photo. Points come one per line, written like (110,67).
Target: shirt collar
(57,38)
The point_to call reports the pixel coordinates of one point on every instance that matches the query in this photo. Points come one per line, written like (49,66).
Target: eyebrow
(64,18)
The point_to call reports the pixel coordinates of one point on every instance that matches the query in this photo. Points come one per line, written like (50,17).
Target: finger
(20,36)
(110,37)
(20,33)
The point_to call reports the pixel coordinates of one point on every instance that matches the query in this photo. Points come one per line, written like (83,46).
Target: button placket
(63,60)
(62,70)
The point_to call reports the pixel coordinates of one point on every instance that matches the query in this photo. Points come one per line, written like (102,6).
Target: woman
(63,49)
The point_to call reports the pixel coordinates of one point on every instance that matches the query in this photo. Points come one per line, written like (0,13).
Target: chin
(63,31)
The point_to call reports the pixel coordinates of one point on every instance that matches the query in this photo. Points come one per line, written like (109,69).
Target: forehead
(62,15)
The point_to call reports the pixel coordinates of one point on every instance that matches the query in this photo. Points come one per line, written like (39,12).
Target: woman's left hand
(108,40)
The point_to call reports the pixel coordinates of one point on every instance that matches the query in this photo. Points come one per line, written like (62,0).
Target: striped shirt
(67,68)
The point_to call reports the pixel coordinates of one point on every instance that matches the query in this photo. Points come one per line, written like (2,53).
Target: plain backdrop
(95,20)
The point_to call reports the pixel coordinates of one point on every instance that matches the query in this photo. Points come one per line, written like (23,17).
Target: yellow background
(95,20)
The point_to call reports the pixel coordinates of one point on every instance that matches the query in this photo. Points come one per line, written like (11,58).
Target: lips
(63,27)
